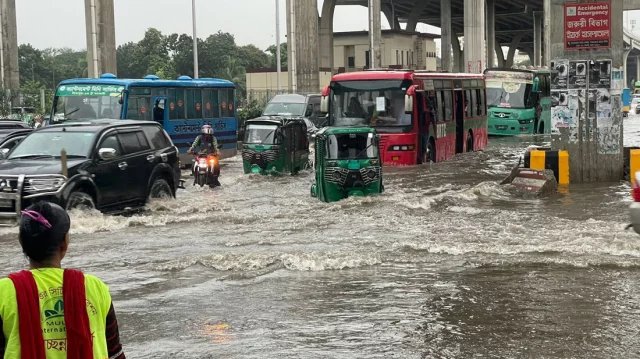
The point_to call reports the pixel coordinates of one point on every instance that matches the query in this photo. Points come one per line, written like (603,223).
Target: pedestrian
(50,312)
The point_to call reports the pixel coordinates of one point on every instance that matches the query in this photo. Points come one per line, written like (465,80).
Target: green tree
(251,57)
(283,55)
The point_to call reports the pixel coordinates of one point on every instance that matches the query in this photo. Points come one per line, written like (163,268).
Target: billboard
(587,25)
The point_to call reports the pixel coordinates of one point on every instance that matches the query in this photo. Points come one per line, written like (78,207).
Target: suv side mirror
(309,111)
(3,153)
(107,154)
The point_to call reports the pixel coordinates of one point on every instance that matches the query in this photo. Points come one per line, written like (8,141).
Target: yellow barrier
(558,161)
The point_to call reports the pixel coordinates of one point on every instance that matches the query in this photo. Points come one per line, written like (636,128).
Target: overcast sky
(61,23)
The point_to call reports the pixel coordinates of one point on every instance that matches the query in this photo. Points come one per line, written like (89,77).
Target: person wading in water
(48,312)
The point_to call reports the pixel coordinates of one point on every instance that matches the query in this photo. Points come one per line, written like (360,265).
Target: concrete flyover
(515,24)
(631,56)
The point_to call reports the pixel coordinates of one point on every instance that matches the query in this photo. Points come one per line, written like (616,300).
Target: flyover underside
(512,17)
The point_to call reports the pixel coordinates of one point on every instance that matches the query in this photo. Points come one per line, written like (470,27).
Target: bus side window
(194,103)
(480,103)
(474,103)
(175,97)
(211,108)
(440,106)
(448,106)
(468,104)
(138,108)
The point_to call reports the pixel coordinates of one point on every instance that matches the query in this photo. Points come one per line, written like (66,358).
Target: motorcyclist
(206,143)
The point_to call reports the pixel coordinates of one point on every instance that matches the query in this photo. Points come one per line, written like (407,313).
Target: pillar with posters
(586,43)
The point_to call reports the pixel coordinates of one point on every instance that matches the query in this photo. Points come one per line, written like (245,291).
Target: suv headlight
(45,184)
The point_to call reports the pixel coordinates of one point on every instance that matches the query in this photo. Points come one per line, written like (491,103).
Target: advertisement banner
(587,26)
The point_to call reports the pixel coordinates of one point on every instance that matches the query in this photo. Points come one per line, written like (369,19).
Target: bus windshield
(260,134)
(508,88)
(376,103)
(85,102)
(351,146)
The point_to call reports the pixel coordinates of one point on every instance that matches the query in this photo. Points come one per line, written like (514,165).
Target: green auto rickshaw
(347,163)
(275,146)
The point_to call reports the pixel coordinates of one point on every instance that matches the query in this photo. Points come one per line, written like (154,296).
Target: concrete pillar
(375,34)
(474,32)
(491,33)
(594,143)
(515,42)
(445,37)
(637,68)
(392,18)
(537,38)
(500,54)
(303,46)
(326,34)
(419,7)
(546,61)
(458,54)
(101,37)
(9,70)
(625,61)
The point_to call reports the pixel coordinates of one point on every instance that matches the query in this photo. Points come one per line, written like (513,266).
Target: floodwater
(445,264)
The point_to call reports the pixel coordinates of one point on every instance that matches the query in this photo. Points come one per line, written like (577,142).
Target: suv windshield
(82,102)
(284,109)
(351,146)
(378,103)
(263,134)
(50,144)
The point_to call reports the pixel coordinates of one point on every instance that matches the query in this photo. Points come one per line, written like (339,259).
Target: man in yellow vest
(48,312)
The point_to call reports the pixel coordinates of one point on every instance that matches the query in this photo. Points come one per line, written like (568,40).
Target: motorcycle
(206,170)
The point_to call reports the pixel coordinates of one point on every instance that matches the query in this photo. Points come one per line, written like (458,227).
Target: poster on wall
(559,74)
(600,74)
(587,26)
(577,75)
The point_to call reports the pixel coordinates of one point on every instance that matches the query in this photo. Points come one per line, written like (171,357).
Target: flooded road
(445,264)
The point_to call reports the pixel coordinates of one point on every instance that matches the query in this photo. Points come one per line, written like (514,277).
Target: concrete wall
(267,80)
(105,37)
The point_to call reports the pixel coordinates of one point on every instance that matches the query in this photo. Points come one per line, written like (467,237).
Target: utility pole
(278,62)
(195,40)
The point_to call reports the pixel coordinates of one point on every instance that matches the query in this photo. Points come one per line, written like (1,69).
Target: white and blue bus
(182,106)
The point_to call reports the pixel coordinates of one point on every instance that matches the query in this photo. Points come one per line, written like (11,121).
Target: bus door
(160,115)
(459,114)
(423,129)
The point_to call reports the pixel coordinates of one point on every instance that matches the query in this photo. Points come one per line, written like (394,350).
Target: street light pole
(195,40)
(278,64)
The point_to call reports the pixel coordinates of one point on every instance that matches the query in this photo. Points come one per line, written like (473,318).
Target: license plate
(501,127)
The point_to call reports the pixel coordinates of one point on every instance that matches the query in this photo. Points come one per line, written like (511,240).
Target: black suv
(111,165)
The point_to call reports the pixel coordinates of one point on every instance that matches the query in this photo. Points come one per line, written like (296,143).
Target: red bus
(420,116)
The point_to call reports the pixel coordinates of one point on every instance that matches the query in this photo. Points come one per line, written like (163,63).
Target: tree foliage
(167,56)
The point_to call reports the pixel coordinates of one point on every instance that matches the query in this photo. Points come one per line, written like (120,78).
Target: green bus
(518,101)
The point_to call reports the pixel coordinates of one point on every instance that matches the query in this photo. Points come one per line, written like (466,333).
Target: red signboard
(587,25)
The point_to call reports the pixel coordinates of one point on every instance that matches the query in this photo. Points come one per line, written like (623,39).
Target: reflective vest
(49,282)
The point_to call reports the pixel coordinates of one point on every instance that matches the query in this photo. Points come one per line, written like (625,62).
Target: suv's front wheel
(160,189)
(80,200)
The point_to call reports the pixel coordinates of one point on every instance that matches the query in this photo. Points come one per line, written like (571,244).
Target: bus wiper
(71,112)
